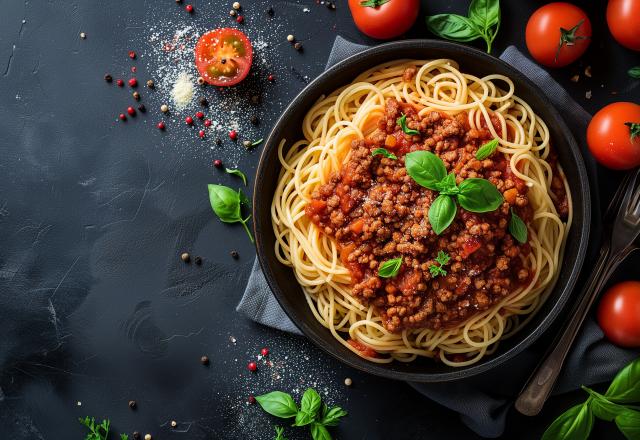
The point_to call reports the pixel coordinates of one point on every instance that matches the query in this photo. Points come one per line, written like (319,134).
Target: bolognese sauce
(377,212)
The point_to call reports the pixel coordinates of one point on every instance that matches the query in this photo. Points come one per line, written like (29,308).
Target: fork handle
(540,384)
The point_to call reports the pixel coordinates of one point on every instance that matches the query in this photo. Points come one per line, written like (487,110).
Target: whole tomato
(613,135)
(384,19)
(623,18)
(557,34)
(619,314)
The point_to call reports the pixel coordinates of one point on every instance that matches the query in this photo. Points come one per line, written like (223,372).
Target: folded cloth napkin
(483,401)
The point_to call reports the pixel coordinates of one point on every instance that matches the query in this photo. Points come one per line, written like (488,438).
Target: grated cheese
(182,91)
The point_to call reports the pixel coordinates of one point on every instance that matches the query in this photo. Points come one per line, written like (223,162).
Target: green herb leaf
(425,168)
(628,423)
(238,173)
(384,152)
(625,387)
(634,129)
(373,3)
(96,432)
(485,13)
(319,432)
(634,72)
(279,433)
(243,198)
(448,185)
(303,418)
(601,407)
(441,213)
(390,268)
(124,437)
(487,149)
(436,271)
(443,257)
(479,195)
(331,417)
(574,424)
(278,404)
(225,203)
(402,122)
(452,27)
(257,142)
(518,228)
(309,404)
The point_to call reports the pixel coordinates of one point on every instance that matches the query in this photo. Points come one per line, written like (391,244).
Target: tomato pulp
(223,56)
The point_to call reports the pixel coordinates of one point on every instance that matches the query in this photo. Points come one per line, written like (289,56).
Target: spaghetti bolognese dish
(424,212)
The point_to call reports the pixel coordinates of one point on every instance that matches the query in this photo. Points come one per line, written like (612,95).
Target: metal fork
(622,228)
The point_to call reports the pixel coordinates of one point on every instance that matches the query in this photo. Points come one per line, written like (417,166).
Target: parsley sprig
(98,431)
(442,258)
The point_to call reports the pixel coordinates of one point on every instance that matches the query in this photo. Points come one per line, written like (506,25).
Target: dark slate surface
(95,305)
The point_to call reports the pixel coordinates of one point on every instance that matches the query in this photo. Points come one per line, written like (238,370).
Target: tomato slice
(224,56)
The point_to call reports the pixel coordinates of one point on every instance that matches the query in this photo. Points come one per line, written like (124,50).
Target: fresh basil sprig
(279,433)
(238,173)
(390,268)
(384,152)
(442,258)
(312,412)
(483,21)
(487,149)
(402,122)
(518,228)
(576,422)
(226,203)
(475,194)
(634,72)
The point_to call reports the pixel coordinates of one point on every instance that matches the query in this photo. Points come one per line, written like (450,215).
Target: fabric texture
(483,401)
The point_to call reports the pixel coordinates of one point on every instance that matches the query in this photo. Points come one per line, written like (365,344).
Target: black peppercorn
(235,254)
(108,78)
(270,11)
(198,260)
(142,108)
(204,360)
(132,404)
(204,102)
(331,5)
(298,46)
(255,99)
(255,120)
(218,141)
(136,435)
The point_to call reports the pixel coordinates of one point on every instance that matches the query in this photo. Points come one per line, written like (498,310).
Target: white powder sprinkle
(182,91)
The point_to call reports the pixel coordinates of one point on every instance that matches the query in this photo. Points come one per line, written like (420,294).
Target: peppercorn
(233,13)
(185,257)
(252,400)
(298,46)
(134,69)
(246,144)
(164,108)
(147,437)
(201,133)
(218,141)
(136,96)
(271,78)
(217,163)
(142,108)
(150,84)
(178,1)
(160,125)
(236,5)
(83,35)
(348,382)
(252,366)
(132,404)
(199,115)
(136,435)
(132,55)
(207,122)
(108,78)
(290,38)
(200,80)
(235,254)
(331,5)
(255,99)
(240,19)
(204,360)
(189,8)
(174,423)
(233,135)
(198,260)
(133,82)
(264,351)
(120,83)
(203,102)
(188,120)
(122,117)
(270,11)
(254,120)
(131,111)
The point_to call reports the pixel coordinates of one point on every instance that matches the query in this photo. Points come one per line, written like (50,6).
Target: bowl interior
(281,278)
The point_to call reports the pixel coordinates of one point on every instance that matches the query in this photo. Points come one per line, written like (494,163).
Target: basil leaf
(487,149)
(225,203)
(238,173)
(625,387)
(279,433)
(452,27)
(303,418)
(485,13)
(310,401)
(479,195)
(278,404)
(332,416)
(574,424)
(629,424)
(634,72)
(448,185)
(319,432)
(390,268)
(384,152)
(601,407)
(441,213)
(425,168)
(402,122)
(373,3)
(518,228)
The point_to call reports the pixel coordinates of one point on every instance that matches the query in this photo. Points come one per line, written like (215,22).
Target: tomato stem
(569,38)
(634,129)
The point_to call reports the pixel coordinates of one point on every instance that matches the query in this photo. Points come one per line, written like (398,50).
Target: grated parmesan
(182,91)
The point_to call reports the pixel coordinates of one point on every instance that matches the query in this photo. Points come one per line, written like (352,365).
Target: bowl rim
(563,292)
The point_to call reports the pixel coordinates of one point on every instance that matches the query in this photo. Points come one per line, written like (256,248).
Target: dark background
(96,307)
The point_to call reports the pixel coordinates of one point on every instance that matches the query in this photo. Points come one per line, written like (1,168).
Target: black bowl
(281,279)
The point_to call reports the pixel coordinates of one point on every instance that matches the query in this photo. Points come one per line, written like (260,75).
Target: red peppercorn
(264,352)
(134,69)
(252,400)
(120,83)
(201,133)
(133,82)
(252,366)
(189,8)
(122,117)
(271,78)
(160,125)
(217,163)
(239,18)
(188,120)
(131,111)
(132,55)
(199,115)
(207,122)
(233,135)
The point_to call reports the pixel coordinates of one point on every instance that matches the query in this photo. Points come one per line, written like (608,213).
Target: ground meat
(376,212)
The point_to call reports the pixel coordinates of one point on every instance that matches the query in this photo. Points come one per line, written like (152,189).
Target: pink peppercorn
(160,125)
(132,55)
(240,19)
(188,120)
(264,352)
(207,122)
(189,8)
(233,135)
(133,82)
(201,133)
(199,115)
(252,366)
(271,78)
(252,400)
(122,117)
(120,83)
(131,111)
(217,163)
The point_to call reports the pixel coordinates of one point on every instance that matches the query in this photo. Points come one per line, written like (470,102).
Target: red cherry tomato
(619,314)
(557,34)
(384,19)
(623,18)
(613,135)
(224,56)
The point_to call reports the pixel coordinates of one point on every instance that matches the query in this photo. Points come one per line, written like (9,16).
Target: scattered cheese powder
(182,91)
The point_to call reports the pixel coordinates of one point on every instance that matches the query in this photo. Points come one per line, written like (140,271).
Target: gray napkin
(484,401)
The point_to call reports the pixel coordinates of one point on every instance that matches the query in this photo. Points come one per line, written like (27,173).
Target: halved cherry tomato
(384,19)
(557,34)
(613,135)
(619,314)
(623,18)
(224,56)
